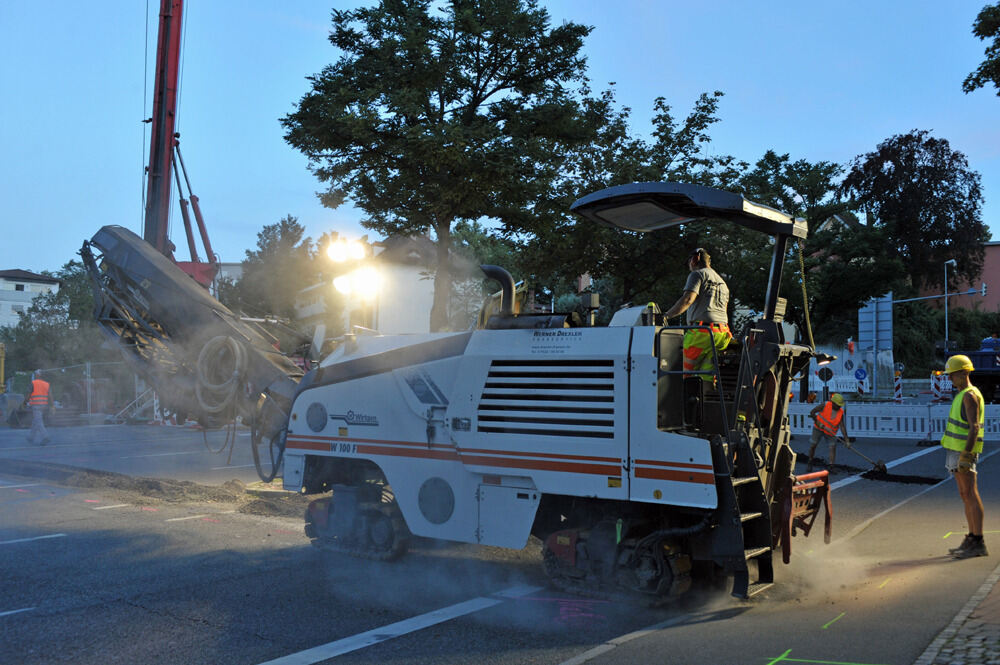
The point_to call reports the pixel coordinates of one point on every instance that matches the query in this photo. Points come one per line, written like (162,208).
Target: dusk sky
(820,81)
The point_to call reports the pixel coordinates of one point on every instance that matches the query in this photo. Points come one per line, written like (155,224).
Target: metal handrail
(715,363)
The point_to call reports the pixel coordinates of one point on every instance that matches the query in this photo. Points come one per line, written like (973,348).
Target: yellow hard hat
(956,363)
(837,399)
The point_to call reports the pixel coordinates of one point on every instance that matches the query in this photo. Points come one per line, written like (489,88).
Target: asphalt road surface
(102,569)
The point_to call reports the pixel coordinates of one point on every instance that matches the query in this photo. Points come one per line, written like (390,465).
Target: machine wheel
(387,534)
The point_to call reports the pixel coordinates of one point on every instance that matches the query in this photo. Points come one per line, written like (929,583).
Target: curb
(932,651)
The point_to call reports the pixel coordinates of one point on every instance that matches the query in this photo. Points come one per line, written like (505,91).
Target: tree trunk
(442,279)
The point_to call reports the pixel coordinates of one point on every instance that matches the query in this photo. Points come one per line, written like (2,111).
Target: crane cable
(805,300)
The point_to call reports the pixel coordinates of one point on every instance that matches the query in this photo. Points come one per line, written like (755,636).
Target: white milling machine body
(590,438)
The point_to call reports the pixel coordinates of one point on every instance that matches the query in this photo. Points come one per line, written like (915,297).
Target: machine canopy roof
(648,206)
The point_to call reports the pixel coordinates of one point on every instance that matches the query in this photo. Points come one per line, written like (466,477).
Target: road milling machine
(634,477)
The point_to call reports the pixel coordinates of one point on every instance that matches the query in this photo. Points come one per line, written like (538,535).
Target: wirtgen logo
(355,418)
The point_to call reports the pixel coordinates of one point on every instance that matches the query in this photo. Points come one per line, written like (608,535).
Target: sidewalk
(973,636)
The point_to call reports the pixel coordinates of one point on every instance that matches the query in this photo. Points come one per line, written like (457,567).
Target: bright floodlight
(342,250)
(343,284)
(363,283)
(367,282)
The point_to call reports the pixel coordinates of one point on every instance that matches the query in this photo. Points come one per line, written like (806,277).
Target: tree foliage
(442,112)
(986,26)
(58,330)
(927,200)
(274,272)
(630,267)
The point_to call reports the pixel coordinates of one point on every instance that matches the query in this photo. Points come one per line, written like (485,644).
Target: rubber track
(390,510)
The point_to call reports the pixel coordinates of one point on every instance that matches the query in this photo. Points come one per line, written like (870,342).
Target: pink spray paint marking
(25,491)
(152,510)
(287,532)
(209,519)
(91,501)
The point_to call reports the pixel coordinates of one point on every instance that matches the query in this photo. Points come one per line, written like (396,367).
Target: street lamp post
(952,263)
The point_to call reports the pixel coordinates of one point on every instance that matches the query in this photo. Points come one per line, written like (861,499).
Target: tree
(275,272)
(928,201)
(442,112)
(986,25)
(634,267)
(58,330)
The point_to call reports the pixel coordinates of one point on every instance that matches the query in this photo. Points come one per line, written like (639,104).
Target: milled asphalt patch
(258,499)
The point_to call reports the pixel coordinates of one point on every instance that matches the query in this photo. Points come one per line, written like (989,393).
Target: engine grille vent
(549,398)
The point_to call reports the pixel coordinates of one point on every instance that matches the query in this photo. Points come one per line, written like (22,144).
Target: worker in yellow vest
(38,400)
(963,441)
(827,418)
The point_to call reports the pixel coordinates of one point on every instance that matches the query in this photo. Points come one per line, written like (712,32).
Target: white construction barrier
(893,421)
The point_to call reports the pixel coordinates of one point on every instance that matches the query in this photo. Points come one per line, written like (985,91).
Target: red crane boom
(162,149)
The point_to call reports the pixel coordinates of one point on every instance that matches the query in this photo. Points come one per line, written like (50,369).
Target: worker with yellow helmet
(963,441)
(827,418)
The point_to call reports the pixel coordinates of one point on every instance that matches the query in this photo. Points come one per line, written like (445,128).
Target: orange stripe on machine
(498,458)
(675,475)
(680,465)
(542,465)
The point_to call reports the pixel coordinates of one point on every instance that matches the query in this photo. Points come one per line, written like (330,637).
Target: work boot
(966,543)
(976,548)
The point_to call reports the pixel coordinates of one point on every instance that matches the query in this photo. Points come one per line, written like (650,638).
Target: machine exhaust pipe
(506,285)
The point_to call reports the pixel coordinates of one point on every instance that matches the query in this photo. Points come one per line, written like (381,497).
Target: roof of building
(26,276)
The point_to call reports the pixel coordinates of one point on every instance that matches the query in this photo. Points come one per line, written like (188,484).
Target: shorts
(819,436)
(951,461)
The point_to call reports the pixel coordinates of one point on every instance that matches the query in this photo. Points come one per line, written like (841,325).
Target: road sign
(848,364)
(860,374)
(825,374)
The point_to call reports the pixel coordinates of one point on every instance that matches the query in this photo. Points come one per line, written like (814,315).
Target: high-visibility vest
(827,420)
(39,393)
(956,432)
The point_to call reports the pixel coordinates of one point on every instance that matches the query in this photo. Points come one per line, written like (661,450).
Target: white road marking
(23,609)
(10,487)
(193,452)
(181,519)
(844,482)
(374,636)
(868,522)
(28,540)
(223,468)
(602,649)
(611,644)
(117,505)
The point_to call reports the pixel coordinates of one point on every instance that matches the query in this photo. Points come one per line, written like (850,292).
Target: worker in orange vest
(827,418)
(38,400)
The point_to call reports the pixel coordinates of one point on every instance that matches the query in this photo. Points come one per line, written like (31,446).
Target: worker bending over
(963,440)
(827,418)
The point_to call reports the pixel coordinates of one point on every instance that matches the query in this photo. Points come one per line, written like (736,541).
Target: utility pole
(946,264)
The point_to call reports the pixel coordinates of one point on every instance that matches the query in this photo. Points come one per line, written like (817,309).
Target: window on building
(17,308)
(19,287)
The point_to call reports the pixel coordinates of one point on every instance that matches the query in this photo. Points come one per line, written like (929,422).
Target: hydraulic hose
(221,365)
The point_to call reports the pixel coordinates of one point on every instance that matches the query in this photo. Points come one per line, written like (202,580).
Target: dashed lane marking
(362,640)
(618,641)
(181,519)
(28,540)
(9,612)
(884,583)
(11,487)
(117,505)
(190,452)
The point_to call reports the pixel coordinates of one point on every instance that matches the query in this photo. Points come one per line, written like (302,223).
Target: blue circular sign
(848,364)
(860,374)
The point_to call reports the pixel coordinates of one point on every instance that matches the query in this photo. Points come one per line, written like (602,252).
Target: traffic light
(982,289)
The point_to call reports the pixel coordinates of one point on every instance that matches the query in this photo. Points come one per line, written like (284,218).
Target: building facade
(17,289)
